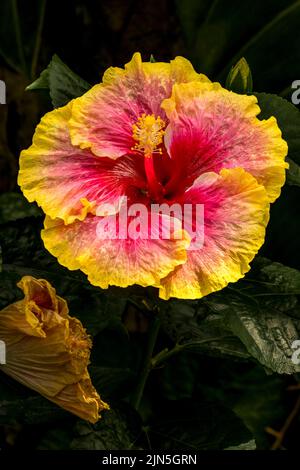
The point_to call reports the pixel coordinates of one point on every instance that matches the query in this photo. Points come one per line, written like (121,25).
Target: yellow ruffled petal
(236,213)
(180,69)
(62,179)
(87,402)
(116,261)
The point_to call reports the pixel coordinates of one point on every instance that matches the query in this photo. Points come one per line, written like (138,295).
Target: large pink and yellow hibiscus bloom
(156,133)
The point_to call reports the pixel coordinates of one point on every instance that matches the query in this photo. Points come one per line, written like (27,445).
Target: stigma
(148,132)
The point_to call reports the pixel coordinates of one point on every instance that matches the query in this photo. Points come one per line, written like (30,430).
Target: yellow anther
(148,133)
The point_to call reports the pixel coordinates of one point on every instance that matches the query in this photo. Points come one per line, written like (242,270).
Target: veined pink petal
(236,212)
(67,182)
(212,128)
(115,261)
(102,118)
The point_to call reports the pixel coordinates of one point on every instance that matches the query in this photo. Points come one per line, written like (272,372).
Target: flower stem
(165,354)
(147,365)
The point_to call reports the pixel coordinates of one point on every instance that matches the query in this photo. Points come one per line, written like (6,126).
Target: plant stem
(165,354)
(38,39)
(147,365)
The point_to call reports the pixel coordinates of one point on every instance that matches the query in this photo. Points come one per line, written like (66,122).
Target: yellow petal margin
(114,261)
(235,219)
(233,133)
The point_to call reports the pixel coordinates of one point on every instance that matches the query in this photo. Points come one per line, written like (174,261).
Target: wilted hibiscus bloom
(48,351)
(156,133)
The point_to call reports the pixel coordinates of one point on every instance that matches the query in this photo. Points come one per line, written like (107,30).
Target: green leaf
(11,47)
(62,82)
(20,241)
(293,173)
(14,206)
(202,332)
(19,404)
(19,22)
(283,279)
(41,83)
(56,438)
(250,445)
(283,232)
(112,348)
(196,425)
(191,14)
(273,27)
(262,311)
(117,430)
(239,78)
(179,376)
(288,118)
(259,401)
(96,308)
(9,292)
(257,318)
(268,335)
(33,410)
(111,382)
(254,394)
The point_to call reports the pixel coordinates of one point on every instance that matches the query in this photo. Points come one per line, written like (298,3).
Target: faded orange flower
(48,351)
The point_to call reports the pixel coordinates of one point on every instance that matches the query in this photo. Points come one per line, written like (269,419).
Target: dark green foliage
(288,118)
(118,430)
(190,425)
(239,78)
(63,84)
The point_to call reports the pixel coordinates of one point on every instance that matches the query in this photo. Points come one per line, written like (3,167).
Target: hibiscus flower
(156,133)
(48,351)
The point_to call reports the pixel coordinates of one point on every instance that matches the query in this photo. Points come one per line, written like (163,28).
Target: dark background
(90,36)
